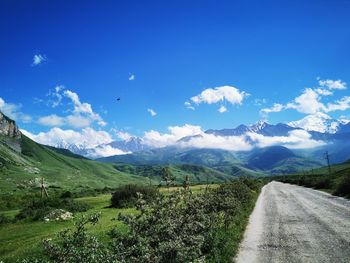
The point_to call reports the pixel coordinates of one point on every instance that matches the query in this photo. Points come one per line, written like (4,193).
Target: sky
(116,68)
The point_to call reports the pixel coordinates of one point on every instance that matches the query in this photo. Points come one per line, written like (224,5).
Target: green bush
(173,228)
(38,208)
(343,187)
(78,246)
(170,229)
(182,227)
(126,196)
(4,219)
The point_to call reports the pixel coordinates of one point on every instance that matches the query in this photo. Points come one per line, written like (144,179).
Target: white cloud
(275,108)
(152,112)
(308,102)
(78,106)
(342,104)
(78,121)
(296,139)
(259,102)
(83,114)
(156,139)
(125,136)
(132,77)
(194,137)
(104,151)
(52,120)
(332,84)
(211,141)
(55,96)
(323,92)
(219,94)
(13,111)
(188,105)
(87,137)
(222,109)
(38,59)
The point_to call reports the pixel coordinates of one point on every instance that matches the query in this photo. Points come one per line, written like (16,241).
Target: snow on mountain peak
(258,126)
(319,122)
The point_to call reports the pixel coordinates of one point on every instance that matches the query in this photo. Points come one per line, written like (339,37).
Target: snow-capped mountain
(260,127)
(319,127)
(132,144)
(319,122)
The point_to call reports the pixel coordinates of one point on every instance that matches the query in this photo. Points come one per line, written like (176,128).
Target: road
(296,224)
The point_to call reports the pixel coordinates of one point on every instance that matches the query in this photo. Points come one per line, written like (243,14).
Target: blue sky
(157,55)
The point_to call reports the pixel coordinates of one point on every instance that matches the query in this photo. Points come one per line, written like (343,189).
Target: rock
(58,215)
(8,127)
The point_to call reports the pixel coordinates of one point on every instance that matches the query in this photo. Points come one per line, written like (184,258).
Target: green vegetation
(23,239)
(196,173)
(221,164)
(337,183)
(126,196)
(20,172)
(180,224)
(38,208)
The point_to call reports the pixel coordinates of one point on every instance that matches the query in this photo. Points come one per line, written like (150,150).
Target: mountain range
(22,160)
(334,134)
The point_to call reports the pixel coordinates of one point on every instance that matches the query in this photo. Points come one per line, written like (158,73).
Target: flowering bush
(173,228)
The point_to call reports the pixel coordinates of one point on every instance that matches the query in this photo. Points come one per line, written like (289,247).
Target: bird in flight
(118,99)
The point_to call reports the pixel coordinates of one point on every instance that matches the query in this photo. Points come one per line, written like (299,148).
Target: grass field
(23,239)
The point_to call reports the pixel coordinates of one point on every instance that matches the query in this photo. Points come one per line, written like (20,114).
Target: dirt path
(296,224)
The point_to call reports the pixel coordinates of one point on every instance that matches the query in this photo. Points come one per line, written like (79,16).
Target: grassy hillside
(337,182)
(222,164)
(22,170)
(197,174)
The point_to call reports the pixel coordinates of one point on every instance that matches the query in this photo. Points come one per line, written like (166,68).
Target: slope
(22,170)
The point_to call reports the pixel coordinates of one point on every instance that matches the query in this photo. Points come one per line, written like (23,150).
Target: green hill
(335,181)
(197,174)
(23,162)
(279,160)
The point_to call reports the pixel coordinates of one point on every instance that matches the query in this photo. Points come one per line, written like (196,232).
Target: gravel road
(296,224)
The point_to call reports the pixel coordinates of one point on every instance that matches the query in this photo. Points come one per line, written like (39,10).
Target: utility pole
(43,188)
(326,156)
(186,183)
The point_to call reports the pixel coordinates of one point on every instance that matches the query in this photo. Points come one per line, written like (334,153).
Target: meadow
(23,239)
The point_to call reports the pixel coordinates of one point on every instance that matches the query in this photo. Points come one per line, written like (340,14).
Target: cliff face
(8,127)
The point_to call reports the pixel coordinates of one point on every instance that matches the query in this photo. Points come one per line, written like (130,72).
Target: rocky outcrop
(8,127)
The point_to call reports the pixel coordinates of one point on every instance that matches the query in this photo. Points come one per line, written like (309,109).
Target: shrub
(343,187)
(4,219)
(181,227)
(66,194)
(322,183)
(126,196)
(177,227)
(38,208)
(170,229)
(78,246)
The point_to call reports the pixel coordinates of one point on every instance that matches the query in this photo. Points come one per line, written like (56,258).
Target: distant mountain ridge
(260,127)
